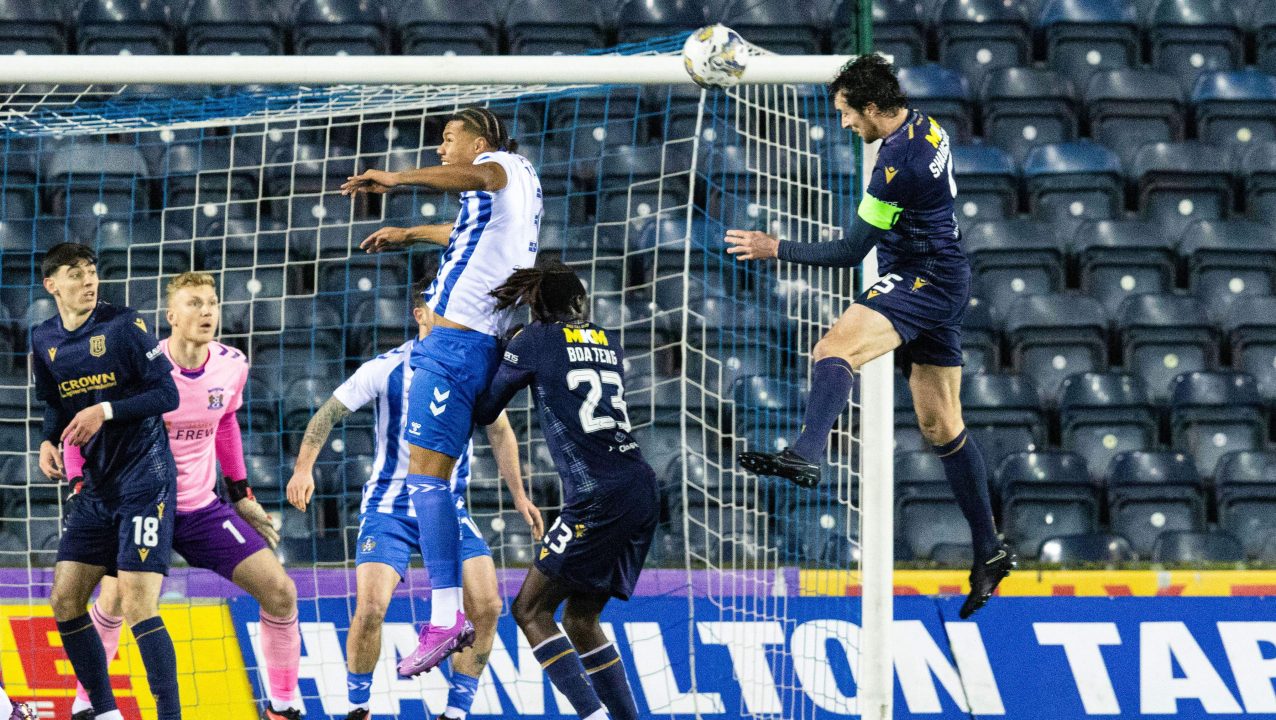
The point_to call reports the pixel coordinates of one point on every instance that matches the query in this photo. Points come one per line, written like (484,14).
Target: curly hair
(551,290)
(869,79)
(484,123)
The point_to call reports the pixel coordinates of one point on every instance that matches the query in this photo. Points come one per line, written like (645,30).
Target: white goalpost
(642,172)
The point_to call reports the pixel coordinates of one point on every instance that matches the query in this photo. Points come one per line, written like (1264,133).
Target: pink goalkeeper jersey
(206,396)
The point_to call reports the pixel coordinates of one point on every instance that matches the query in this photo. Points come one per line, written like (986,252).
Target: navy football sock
(968,476)
(160,661)
(607,673)
(88,658)
(559,660)
(831,382)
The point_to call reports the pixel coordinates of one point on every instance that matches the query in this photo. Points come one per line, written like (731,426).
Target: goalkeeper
(916,307)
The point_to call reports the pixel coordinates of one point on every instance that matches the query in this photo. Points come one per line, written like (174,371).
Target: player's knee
(579,625)
(369,613)
(525,611)
(67,605)
(939,427)
(110,604)
(486,611)
(279,596)
(137,608)
(829,347)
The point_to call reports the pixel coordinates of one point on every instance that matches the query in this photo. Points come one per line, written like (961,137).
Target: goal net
(641,182)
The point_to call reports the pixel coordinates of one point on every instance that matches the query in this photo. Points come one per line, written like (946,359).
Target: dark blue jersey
(910,196)
(577,381)
(112,358)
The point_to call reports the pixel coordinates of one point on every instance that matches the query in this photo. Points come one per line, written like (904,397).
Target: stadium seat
(988,183)
(242,243)
(927,513)
(640,20)
(93,181)
(1012,259)
(1085,36)
(899,29)
(1257,173)
(1128,108)
(1152,492)
(1045,494)
(1197,548)
(1025,106)
(943,94)
(1087,549)
(123,27)
(1262,23)
(1003,413)
(379,323)
(1190,37)
(1245,494)
(1228,260)
(200,186)
(1163,336)
(233,27)
(1072,182)
(32,28)
(814,532)
(554,27)
(1235,107)
(1103,414)
(980,345)
(1054,336)
(339,27)
(759,399)
(134,248)
(976,36)
(1179,183)
(440,27)
(1250,324)
(1121,258)
(1214,413)
(788,28)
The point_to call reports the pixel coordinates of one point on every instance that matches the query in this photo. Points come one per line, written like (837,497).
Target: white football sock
(444,604)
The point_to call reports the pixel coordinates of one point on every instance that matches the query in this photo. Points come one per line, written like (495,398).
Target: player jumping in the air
(388,532)
(916,307)
(494,234)
(106,383)
(597,546)
(228,538)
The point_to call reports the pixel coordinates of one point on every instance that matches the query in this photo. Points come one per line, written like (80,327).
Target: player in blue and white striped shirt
(388,533)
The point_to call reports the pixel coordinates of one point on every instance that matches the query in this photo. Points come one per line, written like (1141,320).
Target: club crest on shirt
(53,352)
(369,544)
(97,345)
(216,398)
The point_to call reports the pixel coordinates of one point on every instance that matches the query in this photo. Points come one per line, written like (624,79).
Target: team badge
(890,174)
(52,353)
(140,323)
(97,345)
(369,544)
(918,283)
(216,398)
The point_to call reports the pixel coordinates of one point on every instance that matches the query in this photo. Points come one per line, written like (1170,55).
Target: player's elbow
(168,397)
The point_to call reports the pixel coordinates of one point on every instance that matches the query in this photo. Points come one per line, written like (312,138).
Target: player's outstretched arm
(393,238)
(486,176)
(846,252)
(302,484)
(508,381)
(505,447)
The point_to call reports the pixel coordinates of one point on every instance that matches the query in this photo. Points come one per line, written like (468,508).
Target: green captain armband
(879,214)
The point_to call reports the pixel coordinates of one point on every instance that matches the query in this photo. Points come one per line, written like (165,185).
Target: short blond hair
(189,280)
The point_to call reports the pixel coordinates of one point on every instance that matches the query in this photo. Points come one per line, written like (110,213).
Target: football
(715,56)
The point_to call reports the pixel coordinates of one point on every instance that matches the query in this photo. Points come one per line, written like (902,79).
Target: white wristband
(106,410)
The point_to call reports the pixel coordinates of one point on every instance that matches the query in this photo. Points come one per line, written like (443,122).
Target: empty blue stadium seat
(132,27)
(943,94)
(928,516)
(645,19)
(1180,183)
(976,36)
(1128,108)
(1045,494)
(1153,492)
(32,28)
(241,243)
(1235,107)
(1120,258)
(1228,260)
(1214,413)
(233,27)
(760,398)
(1163,336)
(1245,493)
(980,344)
(1257,173)
(1069,183)
(1012,259)
(1084,36)
(99,180)
(1087,549)
(1197,548)
(339,27)
(1189,37)
(439,27)
(1025,106)
(988,182)
(899,29)
(552,27)
(1103,414)
(305,395)
(1262,22)
(1003,413)
(137,247)
(1057,335)
(784,27)
(1250,324)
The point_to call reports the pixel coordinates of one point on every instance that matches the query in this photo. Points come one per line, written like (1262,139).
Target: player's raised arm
(849,251)
(391,238)
(302,484)
(505,447)
(488,177)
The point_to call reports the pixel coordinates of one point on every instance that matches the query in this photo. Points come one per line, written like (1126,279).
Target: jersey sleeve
(887,190)
(237,401)
(360,388)
(517,370)
(504,159)
(158,392)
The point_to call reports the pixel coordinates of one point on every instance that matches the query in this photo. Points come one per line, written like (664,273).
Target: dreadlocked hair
(485,124)
(551,290)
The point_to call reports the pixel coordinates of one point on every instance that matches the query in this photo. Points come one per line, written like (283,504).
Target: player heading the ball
(495,233)
(916,307)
